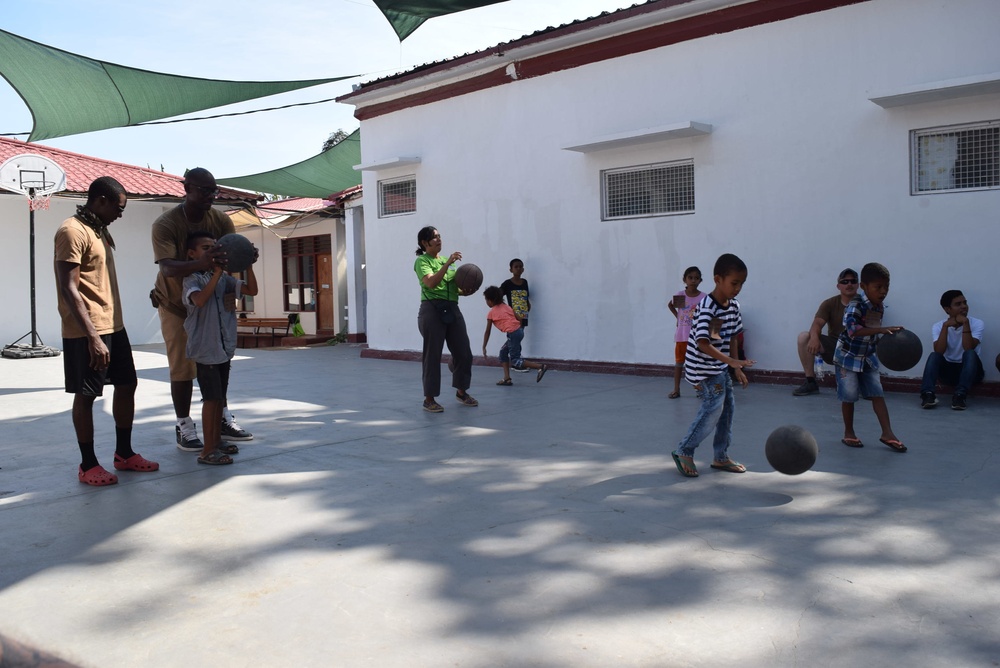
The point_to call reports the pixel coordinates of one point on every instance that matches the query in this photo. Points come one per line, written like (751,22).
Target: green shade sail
(70,94)
(407,15)
(319,176)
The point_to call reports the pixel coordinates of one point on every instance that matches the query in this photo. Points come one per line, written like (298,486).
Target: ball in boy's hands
(791,450)
(468,278)
(240,252)
(998,362)
(900,351)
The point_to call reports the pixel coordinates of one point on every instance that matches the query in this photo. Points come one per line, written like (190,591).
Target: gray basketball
(791,450)
(239,252)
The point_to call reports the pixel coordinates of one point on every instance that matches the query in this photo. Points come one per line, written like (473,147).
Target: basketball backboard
(32,172)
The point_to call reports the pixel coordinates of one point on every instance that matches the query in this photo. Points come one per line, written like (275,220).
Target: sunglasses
(121,209)
(848,281)
(205,190)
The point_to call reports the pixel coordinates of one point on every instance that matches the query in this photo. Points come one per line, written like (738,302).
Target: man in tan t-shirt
(96,349)
(831,314)
(170,232)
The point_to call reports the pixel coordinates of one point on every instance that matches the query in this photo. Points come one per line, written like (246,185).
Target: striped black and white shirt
(697,365)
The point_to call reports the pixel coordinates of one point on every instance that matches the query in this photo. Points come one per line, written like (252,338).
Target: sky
(256,40)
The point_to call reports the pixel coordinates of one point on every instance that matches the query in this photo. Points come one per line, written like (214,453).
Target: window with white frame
(954,158)
(662,189)
(397,196)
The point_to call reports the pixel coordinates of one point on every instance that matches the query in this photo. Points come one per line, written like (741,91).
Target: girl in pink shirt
(503,317)
(683,306)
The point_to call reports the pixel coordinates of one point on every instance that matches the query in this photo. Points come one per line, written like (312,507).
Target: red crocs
(97,476)
(135,463)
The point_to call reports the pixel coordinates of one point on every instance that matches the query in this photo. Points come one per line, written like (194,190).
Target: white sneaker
(234,432)
(187,437)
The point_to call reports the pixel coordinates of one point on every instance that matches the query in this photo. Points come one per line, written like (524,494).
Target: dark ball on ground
(900,351)
(468,278)
(791,450)
(239,252)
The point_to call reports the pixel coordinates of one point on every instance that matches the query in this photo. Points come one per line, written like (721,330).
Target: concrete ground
(548,527)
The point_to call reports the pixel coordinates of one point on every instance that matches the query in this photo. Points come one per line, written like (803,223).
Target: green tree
(334,139)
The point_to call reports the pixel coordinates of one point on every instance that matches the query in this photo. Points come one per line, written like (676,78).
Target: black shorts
(213,379)
(81,379)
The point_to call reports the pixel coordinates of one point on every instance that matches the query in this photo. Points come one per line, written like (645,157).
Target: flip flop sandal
(673,395)
(894,444)
(215,458)
(690,471)
(228,448)
(730,466)
(852,442)
(506,382)
(97,476)
(433,407)
(541,372)
(134,463)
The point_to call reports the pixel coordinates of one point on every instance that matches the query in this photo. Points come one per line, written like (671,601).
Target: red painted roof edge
(171,183)
(725,19)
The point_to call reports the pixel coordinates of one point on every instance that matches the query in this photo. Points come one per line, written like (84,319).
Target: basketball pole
(31,254)
(35,338)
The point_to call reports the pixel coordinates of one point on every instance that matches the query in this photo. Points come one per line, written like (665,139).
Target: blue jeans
(850,384)
(717,406)
(963,375)
(511,351)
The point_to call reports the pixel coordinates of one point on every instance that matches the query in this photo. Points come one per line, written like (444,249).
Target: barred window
(959,157)
(649,190)
(397,196)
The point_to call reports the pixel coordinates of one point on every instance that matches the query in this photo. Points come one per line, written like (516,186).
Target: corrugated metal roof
(81,170)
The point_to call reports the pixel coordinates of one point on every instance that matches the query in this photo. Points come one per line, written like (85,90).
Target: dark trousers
(963,375)
(436,334)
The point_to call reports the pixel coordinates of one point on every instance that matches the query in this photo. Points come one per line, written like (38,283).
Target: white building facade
(612,153)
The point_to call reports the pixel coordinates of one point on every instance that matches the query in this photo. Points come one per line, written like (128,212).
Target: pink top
(685,315)
(504,318)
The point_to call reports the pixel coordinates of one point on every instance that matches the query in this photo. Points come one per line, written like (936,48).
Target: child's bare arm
(486,336)
(872,331)
(201,297)
(705,346)
(250,287)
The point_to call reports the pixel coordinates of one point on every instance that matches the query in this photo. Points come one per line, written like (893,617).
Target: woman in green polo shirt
(440,321)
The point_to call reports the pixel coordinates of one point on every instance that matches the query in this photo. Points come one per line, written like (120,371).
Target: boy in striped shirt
(712,350)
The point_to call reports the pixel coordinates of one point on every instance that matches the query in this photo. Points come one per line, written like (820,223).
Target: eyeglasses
(848,281)
(205,190)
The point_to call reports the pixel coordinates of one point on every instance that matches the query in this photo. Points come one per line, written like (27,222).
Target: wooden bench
(254,329)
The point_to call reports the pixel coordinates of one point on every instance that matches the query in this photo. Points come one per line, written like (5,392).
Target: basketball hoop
(37,178)
(34,176)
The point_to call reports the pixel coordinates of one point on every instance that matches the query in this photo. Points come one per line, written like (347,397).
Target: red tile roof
(81,170)
(293,205)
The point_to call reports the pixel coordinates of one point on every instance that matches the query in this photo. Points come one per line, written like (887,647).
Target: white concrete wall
(133,259)
(802,176)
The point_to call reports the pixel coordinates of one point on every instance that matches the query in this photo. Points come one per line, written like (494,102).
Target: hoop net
(38,193)
(40,201)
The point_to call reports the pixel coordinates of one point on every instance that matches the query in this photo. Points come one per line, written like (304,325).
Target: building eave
(628,31)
